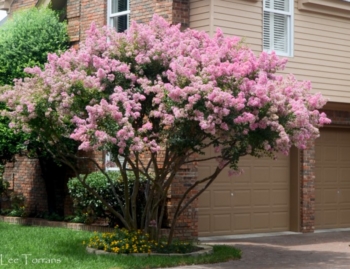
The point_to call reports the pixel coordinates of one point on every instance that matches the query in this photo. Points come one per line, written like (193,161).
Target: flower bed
(123,241)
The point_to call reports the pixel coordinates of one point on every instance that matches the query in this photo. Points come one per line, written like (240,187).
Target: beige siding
(321,42)
(200,15)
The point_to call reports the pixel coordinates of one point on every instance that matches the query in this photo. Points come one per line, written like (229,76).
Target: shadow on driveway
(305,251)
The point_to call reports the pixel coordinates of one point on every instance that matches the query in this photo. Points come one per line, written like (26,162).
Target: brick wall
(24,176)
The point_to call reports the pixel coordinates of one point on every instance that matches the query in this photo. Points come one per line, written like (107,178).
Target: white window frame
(290,29)
(108,159)
(111,15)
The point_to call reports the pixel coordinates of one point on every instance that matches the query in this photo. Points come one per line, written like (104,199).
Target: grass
(56,248)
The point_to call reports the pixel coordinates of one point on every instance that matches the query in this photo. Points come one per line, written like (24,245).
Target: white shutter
(277,26)
(280,32)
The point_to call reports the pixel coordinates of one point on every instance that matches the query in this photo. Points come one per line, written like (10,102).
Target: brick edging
(205,250)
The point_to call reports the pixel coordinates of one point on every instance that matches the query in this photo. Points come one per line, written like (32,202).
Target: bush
(85,203)
(26,40)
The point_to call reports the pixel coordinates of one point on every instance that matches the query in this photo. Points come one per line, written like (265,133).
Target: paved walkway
(328,250)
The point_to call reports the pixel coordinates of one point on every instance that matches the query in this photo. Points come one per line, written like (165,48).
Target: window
(118,14)
(110,165)
(278,26)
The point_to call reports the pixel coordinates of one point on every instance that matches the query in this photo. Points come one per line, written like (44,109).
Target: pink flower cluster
(128,90)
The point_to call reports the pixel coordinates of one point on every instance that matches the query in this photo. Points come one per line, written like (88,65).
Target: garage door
(332,197)
(255,202)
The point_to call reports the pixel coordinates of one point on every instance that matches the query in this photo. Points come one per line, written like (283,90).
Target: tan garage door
(332,184)
(257,201)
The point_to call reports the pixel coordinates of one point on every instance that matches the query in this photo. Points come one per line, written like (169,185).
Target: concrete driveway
(321,250)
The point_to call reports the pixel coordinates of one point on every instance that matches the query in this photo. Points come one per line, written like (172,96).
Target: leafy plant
(87,205)
(26,40)
(79,218)
(17,209)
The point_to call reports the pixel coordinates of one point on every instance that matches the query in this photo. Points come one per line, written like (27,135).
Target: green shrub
(26,40)
(86,204)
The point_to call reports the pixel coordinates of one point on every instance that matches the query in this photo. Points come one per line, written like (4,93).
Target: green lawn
(53,248)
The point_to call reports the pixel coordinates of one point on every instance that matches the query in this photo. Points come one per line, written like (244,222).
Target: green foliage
(26,40)
(17,206)
(10,141)
(86,203)
(79,218)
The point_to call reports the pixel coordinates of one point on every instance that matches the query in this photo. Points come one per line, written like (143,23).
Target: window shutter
(276,25)
(280,31)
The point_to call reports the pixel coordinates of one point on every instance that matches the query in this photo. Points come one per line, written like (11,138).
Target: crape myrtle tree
(154,98)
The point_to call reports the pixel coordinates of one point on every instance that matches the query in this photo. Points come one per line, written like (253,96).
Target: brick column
(307,189)
(187,224)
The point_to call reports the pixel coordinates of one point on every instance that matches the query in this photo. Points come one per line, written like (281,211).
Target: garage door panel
(204,223)
(261,198)
(279,175)
(241,222)
(329,174)
(261,221)
(205,201)
(261,174)
(344,174)
(344,216)
(319,197)
(330,196)
(326,175)
(221,198)
(344,154)
(344,196)
(280,197)
(331,154)
(222,222)
(242,198)
(319,218)
(279,219)
(330,217)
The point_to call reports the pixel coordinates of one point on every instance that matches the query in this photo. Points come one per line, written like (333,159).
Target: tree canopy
(27,38)
(155,97)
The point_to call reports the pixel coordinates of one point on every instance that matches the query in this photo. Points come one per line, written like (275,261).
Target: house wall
(21,4)
(321,50)
(200,18)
